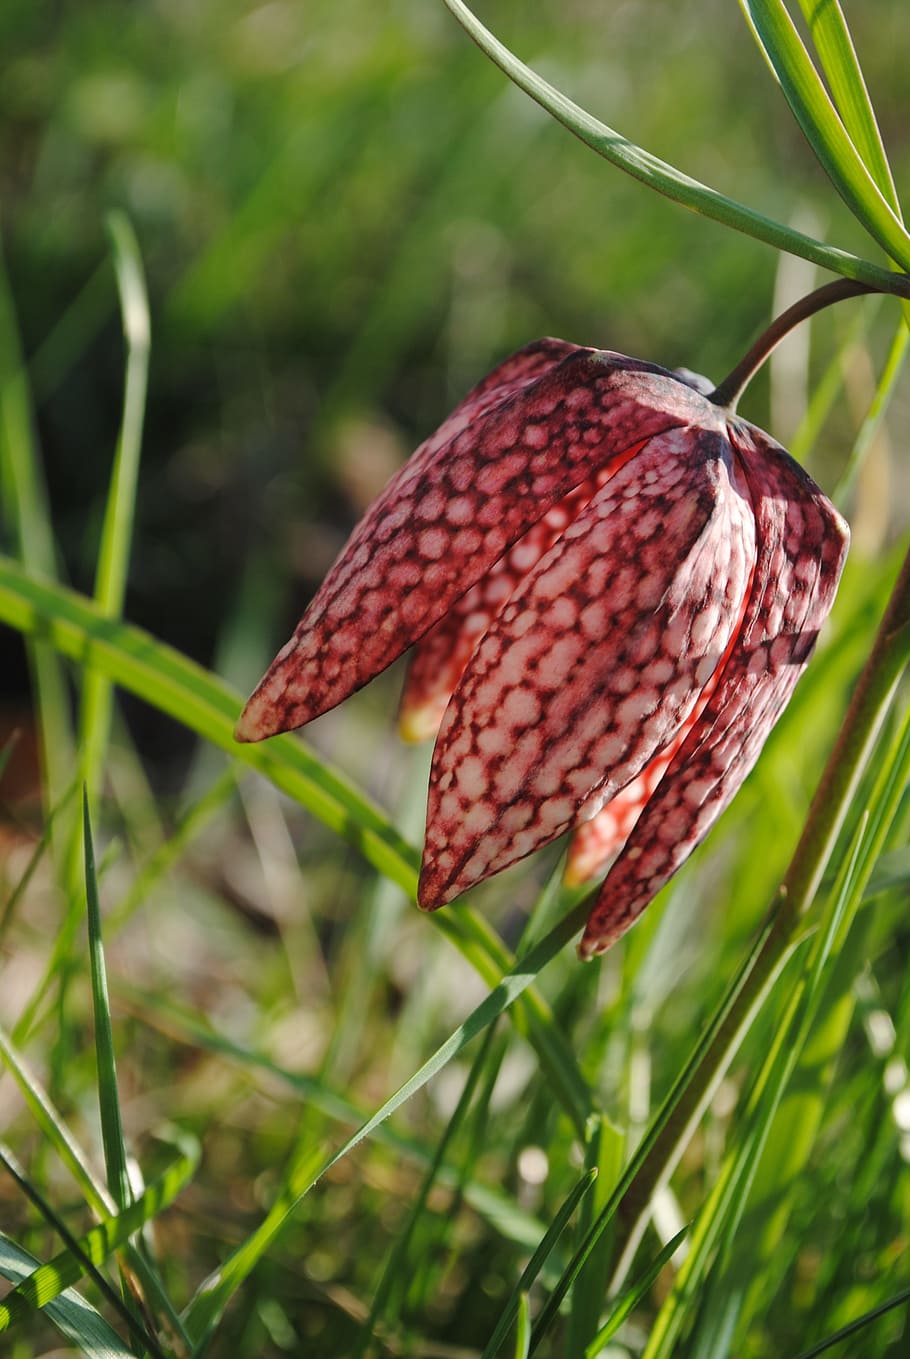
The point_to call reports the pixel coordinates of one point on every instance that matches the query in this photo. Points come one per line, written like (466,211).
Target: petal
(439,659)
(595,662)
(802,543)
(495,468)
(598,840)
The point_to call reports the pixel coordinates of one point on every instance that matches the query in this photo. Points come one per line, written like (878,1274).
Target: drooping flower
(611,584)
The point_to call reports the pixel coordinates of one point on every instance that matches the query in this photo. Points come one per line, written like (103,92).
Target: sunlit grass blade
(48,1281)
(116,534)
(199,700)
(395,1270)
(854,1327)
(840,64)
(502,1212)
(536,1263)
(680,1111)
(27,520)
(523,1328)
(212,1298)
(53,1219)
(604,1150)
(74,1318)
(657,174)
(57,1135)
(723,1210)
(633,1296)
(812,107)
(118,1181)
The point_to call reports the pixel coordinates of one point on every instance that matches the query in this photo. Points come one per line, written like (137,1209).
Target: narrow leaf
(212,1298)
(657,174)
(48,1281)
(812,107)
(536,1263)
(74,1318)
(840,64)
(116,533)
(626,1304)
(109,1100)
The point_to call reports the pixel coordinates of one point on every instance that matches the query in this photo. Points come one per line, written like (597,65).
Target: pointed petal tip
(434,889)
(592,943)
(246,729)
(259,720)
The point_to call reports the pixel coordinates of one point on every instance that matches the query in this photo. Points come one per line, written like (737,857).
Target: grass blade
(657,174)
(199,700)
(213,1297)
(536,1263)
(52,1218)
(840,64)
(523,1329)
(27,519)
(48,1281)
(811,105)
(853,1327)
(626,1304)
(74,1318)
(54,1130)
(395,1267)
(118,1182)
(116,533)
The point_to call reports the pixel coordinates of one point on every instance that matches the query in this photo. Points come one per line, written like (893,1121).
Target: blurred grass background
(346,217)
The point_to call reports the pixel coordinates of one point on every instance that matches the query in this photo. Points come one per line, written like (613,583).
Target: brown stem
(729,391)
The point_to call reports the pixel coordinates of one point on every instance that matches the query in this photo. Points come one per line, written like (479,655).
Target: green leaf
(812,107)
(395,1268)
(212,1298)
(523,1329)
(74,1318)
(116,533)
(177,686)
(853,1327)
(47,1281)
(840,64)
(536,1263)
(626,1304)
(665,179)
(118,1181)
(143,1337)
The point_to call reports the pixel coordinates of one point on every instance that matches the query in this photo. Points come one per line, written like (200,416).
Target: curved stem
(728,392)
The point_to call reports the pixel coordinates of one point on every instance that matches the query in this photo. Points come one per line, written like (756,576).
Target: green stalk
(840,780)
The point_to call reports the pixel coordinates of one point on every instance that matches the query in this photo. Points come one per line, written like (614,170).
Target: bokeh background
(346,217)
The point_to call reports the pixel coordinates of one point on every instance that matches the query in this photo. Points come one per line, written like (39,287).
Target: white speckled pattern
(613,588)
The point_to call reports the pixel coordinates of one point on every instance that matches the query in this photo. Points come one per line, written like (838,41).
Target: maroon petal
(802,543)
(439,659)
(527,437)
(595,662)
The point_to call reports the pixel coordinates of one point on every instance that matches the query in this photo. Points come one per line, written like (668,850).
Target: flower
(612,585)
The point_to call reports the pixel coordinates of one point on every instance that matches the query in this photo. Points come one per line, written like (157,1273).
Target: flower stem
(728,392)
(840,779)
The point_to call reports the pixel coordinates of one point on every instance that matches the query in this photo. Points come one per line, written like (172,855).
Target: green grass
(254,1102)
